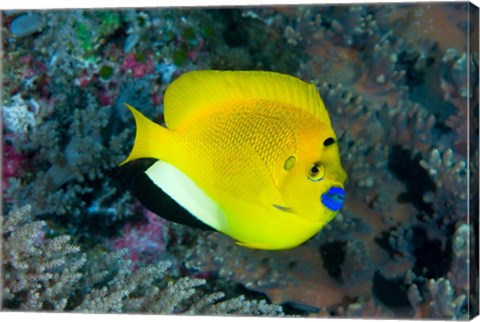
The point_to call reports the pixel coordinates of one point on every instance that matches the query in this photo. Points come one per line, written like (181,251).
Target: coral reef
(393,250)
(403,98)
(42,273)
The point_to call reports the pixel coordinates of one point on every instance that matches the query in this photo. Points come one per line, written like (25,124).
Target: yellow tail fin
(147,136)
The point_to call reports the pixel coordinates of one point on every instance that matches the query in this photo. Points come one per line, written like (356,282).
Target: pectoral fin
(285,209)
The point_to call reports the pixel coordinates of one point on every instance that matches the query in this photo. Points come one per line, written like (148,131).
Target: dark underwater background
(400,82)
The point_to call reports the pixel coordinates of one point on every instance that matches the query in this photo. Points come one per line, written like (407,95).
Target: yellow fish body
(247,153)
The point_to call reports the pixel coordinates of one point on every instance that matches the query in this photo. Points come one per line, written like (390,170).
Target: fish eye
(316,172)
(328,141)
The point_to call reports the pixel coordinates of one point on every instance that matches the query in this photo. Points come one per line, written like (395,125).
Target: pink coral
(145,240)
(138,68)
(13,164)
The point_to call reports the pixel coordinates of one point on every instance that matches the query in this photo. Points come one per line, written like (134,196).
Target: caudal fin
(147,136)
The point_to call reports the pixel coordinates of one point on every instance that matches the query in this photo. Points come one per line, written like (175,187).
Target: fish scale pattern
(234,143)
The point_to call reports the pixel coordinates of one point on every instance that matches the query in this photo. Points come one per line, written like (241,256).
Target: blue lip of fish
(333,198)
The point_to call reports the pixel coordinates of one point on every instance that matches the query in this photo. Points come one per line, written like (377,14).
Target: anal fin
(171,194)
(157,201)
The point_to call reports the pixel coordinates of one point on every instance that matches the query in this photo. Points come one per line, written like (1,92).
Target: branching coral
(43,273)
(38,273)
(402,231)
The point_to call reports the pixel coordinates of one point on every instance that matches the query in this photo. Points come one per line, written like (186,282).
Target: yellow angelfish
(250,154)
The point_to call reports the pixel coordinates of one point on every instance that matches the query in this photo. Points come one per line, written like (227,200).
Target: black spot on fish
(156,200)
(328,142)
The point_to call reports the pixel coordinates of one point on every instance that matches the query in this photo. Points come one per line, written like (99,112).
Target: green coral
(110,21)
(83,34)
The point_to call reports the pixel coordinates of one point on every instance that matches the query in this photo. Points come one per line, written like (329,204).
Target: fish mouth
(333,198)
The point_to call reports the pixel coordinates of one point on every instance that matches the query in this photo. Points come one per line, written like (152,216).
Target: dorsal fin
(197,91)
